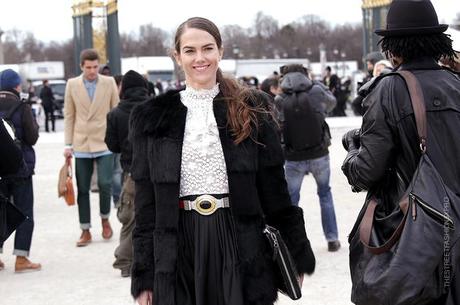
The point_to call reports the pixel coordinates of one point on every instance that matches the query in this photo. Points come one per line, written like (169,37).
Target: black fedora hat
(411,17)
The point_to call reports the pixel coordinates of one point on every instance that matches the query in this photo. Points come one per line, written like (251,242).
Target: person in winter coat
(388,141)
(19,184)
(133,91)
(307,152)
(10,159)
(47,97)
(208,172)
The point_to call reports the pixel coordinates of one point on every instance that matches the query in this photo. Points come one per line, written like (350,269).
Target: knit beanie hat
(9,79)
(132,79)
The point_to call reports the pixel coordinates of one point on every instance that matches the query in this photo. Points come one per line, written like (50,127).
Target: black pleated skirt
(208,260)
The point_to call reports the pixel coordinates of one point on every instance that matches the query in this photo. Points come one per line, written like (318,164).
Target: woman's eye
(188,51)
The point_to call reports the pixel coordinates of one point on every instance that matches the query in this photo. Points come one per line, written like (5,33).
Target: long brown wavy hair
(241,116)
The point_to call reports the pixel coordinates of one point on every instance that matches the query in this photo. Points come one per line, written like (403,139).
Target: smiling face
(199,56)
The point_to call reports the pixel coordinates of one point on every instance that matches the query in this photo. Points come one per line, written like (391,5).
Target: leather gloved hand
(350,140)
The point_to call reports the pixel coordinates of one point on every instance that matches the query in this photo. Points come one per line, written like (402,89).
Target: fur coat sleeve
(143,267)
(275,200)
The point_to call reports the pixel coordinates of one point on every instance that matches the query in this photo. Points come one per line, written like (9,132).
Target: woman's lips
(201,68)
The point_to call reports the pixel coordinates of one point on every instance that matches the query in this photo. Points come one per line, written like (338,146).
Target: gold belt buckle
(205,204)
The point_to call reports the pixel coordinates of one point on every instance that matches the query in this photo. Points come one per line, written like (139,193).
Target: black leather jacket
(388,139)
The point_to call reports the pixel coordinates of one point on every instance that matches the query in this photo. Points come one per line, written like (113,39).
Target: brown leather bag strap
(365,229)
(418,104)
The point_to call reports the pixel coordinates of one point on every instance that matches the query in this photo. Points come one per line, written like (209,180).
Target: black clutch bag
(286,267)
(10,218)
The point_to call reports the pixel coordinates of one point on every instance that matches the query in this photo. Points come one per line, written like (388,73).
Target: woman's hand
(145,298)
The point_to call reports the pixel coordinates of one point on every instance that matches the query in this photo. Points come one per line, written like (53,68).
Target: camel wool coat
(85,121)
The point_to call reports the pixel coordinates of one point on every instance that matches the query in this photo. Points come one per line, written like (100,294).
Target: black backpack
(303,127)
(8,119)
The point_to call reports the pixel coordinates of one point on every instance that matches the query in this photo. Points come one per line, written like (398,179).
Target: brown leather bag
(65,184)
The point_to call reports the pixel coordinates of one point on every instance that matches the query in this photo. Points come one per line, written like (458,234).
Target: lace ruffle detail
(203,169)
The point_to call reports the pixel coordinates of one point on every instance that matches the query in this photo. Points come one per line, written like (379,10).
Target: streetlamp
(236,55)
(336,53)
(342,57)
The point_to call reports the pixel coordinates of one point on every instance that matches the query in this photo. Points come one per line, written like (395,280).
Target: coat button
(437,102)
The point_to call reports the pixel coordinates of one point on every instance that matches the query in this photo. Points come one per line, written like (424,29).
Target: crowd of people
(198,174)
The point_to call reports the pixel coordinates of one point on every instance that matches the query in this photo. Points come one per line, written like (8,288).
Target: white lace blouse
(203,169)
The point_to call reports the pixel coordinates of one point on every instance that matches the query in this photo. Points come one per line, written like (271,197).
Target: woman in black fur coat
(209,175)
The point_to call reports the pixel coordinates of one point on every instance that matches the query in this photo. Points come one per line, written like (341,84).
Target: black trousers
(49,116)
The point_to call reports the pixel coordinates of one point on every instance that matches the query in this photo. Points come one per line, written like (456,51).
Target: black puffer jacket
(116,136)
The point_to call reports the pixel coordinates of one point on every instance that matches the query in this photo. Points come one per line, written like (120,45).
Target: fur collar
(155,115)
(165,115)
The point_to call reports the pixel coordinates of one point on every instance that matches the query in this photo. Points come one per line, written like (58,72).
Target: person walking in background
(386,150)
(271,86)
(302,108)
(208,172)
(133,91)
(371,60)
(47,97)
(117,179)
(105,70)
(88,99)
(380,68)
(19,186)
(332,81)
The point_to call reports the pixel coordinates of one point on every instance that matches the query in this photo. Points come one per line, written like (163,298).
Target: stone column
(2,57)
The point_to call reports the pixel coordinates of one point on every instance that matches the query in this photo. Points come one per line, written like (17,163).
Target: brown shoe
(85,239)
(2,266)
(106,229)
(24,265)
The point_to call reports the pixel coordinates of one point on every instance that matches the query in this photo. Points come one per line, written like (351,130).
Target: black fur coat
(258,194)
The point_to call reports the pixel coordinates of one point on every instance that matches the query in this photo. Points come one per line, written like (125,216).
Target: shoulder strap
(418,104)
(13,110)
(417,100)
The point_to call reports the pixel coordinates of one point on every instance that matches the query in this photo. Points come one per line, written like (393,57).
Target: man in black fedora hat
(387,140)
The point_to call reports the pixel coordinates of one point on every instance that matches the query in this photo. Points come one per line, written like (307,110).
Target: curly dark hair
(410,47)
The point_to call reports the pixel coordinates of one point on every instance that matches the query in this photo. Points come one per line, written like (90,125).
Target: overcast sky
(52,19)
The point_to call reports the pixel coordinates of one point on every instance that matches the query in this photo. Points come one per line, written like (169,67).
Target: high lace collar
(201,94)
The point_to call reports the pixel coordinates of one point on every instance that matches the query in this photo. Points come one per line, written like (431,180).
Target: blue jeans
(321,171)
(22,192)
